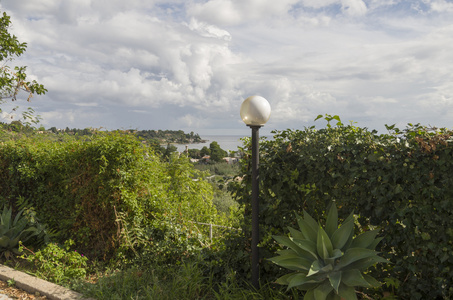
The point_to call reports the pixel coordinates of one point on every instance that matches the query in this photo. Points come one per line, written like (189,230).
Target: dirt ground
(15,293)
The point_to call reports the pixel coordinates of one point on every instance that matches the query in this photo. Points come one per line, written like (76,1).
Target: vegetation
(113,192)
(56,263)
(398,181)
(328,263)
(14,81)
(170,136)
(139,212)
(13,231)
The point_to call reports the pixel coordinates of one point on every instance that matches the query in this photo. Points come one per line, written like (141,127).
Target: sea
(226,142)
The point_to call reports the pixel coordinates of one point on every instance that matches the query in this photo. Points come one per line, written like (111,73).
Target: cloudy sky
(189,64)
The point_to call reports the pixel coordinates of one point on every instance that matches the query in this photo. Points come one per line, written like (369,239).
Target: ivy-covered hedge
(108,193)
(400,181)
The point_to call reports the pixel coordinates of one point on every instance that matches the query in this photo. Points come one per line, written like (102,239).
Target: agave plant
(13,231)
(328,264)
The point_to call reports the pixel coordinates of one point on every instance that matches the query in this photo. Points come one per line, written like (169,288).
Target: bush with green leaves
(400,181)
(328,263)
(108,192)
(58,264)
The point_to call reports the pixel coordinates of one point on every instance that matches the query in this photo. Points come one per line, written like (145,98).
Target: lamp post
(255,112)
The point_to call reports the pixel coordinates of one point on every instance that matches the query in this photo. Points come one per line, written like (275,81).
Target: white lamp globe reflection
(255,111)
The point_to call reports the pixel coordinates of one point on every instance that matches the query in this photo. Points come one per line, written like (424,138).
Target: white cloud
(191,63)
(234,12)
(319,3)
(354,7)
(53,117)
(440,5)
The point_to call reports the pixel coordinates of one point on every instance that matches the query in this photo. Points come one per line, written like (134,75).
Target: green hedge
(399,181)
(108,193)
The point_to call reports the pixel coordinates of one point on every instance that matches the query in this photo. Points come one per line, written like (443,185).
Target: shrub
(57,264)
(109,192)
(398,181)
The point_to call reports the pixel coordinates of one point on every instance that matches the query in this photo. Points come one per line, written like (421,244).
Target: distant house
(231,160)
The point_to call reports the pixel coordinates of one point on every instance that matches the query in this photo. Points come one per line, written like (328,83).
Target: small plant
(57,264)
(14,231)
(328,263)
(11,282)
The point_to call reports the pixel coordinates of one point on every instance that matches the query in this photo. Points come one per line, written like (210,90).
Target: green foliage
(222,175)
(57,264)
(328,263)
(219,168)
(11,282)
(188,280)
(109,193)
(13,231)
(216,153)
(205,151)
(398,181)
(169,136)
(14,81)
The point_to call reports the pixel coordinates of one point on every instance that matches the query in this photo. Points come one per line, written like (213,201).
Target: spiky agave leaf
(292,261)
(323,244)
(332,220)
(308,232)
(341,236)
(365,239)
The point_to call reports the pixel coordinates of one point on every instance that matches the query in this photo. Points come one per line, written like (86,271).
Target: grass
(185,281)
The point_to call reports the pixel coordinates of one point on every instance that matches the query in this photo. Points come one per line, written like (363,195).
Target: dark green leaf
(354,278)
(306,230)
(296,234)
(306,246)
(284,280)
(310,221)
(347,292)
(373,245)
(310,295)
(342,234)
(365,263)
(365,239)
(354,254)
(321,291)
(332,220)
(324,245)
(372,281)
(335,279)
(292,262)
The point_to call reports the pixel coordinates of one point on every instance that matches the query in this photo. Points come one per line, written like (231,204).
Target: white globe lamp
(255,111)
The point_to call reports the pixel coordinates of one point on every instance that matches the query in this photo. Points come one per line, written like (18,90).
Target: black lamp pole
(255,205)
(255,112)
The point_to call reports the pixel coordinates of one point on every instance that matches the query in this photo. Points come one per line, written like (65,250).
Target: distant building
(231,160)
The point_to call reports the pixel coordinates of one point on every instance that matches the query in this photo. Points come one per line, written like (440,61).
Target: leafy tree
(205,151)
(217,153)
(12,81)
(195,153)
